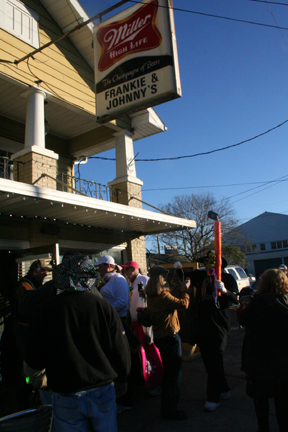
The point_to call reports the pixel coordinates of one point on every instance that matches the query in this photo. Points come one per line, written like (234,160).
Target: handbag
(152,366)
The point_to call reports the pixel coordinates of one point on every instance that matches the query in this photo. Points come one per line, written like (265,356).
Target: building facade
(266,244)
(47,125)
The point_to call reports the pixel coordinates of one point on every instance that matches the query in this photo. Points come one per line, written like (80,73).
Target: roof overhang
(83,134)
(29,201)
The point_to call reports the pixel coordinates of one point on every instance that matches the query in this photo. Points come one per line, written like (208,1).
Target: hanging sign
(136,61)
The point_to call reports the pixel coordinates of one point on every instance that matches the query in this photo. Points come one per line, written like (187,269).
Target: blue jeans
(171,355)
(86,411)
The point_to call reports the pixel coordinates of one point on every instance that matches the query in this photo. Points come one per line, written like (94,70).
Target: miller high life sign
(136,62)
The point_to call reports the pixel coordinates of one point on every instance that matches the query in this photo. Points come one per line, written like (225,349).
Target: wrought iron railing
(6,168)
(66,183)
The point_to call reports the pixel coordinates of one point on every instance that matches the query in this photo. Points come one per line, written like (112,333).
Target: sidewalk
(234,415)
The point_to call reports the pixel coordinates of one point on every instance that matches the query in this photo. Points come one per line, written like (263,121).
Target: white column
(125,164)
(35,118)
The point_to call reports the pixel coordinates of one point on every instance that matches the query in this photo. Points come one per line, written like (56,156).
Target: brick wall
(30,166)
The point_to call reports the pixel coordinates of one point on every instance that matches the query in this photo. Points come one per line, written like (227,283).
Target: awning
(23,200)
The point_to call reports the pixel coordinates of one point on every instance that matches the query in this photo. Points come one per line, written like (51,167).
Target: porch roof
(29,201)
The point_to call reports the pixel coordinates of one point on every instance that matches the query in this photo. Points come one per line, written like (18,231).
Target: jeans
(171,355)
(85,411)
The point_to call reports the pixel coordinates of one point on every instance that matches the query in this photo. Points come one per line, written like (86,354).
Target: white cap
(105,259)
(177,265)
(283,267)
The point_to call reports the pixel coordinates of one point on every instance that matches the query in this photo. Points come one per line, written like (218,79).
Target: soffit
(29,201)
(85,136)
(68,14)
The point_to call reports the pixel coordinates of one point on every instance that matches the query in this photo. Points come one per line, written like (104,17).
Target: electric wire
(263,183)
(215,16)
(267,3)
(277,181)
(233,202)
(98,16)
(197,154)
(53,91)
(271,2)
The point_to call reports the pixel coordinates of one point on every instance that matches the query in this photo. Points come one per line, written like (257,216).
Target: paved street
(233,415)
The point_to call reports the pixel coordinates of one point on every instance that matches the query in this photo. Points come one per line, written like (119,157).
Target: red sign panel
(136,33)
(136,62)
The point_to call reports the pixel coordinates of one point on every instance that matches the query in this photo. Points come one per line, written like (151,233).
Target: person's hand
(220,287)
(183,286)
(187,282)
(120,388)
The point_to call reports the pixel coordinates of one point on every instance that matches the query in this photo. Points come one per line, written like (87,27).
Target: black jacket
(79,339)
(265,347)
(212,324)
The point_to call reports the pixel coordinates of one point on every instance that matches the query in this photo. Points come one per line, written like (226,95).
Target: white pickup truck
(239,275)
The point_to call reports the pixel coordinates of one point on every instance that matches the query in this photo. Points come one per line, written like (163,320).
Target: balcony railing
(89,188)
(6,168)
(66,183)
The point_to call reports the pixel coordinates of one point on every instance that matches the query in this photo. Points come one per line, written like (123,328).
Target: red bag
(151,360)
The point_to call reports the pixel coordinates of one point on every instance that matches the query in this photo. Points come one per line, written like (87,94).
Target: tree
(194,243)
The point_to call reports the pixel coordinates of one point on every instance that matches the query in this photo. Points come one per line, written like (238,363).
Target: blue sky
(235,87)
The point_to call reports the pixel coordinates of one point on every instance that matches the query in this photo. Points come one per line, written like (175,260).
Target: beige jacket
(163,312)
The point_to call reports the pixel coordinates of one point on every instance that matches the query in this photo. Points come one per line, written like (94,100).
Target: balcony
(66,183)
(6,168)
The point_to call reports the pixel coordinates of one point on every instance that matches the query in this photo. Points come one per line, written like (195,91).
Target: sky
(234,88)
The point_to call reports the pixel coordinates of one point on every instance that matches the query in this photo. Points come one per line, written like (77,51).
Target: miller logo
(138,32)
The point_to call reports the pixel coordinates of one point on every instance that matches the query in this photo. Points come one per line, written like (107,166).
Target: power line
(264,183)
(216,16)
(267,3)
(271,2)
(198,154)
(277,181)
(81,25)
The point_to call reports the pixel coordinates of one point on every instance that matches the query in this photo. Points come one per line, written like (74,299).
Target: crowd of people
(86,347)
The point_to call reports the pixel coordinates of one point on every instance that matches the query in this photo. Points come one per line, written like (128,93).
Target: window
(20,21)
(262,247)
(241,273)
(233,273)
(273,245)
(285,244)
(279,245)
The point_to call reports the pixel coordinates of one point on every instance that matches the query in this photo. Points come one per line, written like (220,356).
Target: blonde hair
(156,285)
(273,281)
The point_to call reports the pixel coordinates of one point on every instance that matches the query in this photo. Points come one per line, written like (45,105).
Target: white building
(268,234)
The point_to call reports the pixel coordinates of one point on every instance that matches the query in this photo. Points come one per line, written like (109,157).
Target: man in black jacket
(79,339)
(211,318)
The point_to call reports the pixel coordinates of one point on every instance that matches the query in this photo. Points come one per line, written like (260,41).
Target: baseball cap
(177,265)
(105,259)
(282,267)
(131,264)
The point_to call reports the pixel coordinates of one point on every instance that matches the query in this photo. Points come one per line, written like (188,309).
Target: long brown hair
(273,281)
(156,285)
